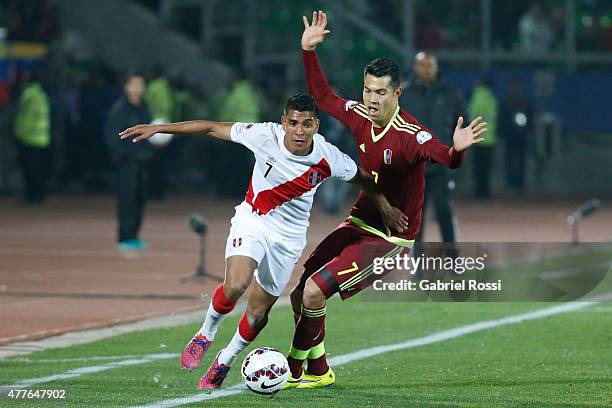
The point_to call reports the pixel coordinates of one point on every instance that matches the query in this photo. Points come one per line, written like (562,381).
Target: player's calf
(238,275)
(308,328)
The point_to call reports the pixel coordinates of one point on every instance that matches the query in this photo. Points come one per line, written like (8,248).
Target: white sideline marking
(77,372)
(421,341)
(69,360)
(88,336)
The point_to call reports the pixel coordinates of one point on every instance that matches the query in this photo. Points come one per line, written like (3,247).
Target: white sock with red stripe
(220,306)
(245,334)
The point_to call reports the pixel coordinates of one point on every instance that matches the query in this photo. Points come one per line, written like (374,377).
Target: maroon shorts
(344,261)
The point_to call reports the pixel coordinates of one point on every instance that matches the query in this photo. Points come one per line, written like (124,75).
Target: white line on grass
(70,360)
(88,336)
(421,341)
(77,372)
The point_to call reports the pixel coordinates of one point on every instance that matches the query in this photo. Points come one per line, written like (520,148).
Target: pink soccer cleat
(194,351)
(214,376)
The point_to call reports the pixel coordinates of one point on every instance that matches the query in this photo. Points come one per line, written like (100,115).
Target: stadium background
(59,271)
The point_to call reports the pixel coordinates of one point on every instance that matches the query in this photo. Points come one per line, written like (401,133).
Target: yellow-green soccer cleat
(293,382)
(317,381)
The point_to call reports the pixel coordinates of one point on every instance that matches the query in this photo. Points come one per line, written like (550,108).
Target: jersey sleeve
(342,166)
(330,103)
(250,135)
(426,146)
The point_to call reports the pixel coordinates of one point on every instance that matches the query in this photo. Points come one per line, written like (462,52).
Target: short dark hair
(380,67)
(131,73)
(302,102)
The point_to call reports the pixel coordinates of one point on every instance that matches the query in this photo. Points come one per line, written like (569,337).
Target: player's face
(300,128)
(134,89)
(380,98)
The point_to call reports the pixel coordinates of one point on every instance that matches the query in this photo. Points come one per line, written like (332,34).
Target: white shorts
(275,255)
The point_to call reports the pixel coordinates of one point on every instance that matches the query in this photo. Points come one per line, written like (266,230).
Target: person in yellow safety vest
(159,99)
(484,103)
(32,131)
(242,103)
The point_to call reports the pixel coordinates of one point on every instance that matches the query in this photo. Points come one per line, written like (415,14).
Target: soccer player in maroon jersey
(394,147)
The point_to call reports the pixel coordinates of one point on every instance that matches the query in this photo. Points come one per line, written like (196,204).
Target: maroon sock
(307,329)
(318,366)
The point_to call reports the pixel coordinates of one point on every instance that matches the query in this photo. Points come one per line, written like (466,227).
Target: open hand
(139,132)
(394,218)
(465,137)
(314,33)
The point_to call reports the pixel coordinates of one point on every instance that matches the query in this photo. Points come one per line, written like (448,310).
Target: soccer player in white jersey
(268,232)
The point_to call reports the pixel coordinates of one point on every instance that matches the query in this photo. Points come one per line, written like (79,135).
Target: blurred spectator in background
(182,100)
(158,96)
(160,101)
(515,127)
(131,160)
(32,131)
(76,152)
(535,30)
(436,104)
(241,104)
(97,96)
(483,103)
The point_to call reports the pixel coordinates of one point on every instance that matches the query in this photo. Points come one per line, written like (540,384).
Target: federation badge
(387,156)
(423,137)
(314,178)
(350,105)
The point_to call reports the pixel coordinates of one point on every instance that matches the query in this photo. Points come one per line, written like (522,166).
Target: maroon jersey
(395,155)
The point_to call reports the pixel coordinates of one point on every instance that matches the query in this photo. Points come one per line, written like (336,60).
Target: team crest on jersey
(250,125)
(387,156)
(423,137)
(314,178)
(237,242)
(350,105)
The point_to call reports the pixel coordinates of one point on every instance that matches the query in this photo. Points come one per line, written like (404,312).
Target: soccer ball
(265,370)
(160,139)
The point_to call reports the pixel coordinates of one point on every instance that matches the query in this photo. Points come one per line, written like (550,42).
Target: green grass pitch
(558,361)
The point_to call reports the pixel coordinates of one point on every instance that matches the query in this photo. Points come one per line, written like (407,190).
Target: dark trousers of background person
(156,186)
(131,197)
(438,191)
(516,151)
(34,164)
(483,159)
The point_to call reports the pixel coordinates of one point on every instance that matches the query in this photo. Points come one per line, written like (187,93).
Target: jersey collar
(376,138)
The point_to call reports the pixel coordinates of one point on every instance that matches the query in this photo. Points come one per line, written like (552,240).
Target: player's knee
(235,288)
(313,297)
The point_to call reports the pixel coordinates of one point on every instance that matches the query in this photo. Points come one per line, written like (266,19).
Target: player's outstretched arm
(330,103)
(465,137)
(391,216)
(220,130)
(315,32)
